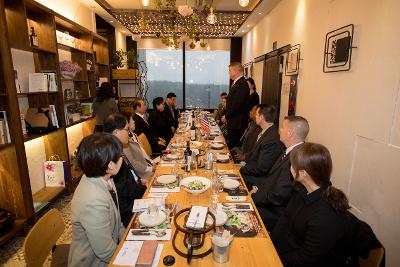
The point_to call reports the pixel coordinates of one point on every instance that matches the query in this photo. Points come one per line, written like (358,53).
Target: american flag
(205,125)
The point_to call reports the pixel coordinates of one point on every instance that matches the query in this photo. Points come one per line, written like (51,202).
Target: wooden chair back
(145,144)
(42,237)
(374,259)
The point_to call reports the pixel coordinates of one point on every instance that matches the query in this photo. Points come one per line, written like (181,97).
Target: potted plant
(118,57)
(131,63)
(131,59)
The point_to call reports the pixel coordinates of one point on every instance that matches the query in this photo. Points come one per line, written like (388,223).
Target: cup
(220,253)
(153,210)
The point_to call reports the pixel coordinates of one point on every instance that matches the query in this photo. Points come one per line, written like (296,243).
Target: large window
(206,77)
(164,73)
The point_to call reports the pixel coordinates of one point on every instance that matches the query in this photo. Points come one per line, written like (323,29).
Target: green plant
(131,59)
(118,57)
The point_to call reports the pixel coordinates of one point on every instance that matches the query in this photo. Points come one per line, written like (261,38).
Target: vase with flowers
(69,69)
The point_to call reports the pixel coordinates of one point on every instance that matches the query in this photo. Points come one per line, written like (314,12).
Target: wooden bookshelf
(16,18)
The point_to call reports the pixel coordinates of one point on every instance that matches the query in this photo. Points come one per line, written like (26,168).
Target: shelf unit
(21,160)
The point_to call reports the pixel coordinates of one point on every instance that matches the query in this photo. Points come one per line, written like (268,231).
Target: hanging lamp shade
(211,18)
(243,3)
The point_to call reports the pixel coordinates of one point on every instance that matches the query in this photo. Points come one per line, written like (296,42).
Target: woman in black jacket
(159,121)
(314,228)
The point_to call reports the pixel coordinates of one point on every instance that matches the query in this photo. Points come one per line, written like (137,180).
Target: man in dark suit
(237,102)
(248,138)
(266,149)
(142,126)
(170,110)
(272,195)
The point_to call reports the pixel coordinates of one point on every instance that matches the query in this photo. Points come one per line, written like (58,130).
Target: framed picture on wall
(248,70)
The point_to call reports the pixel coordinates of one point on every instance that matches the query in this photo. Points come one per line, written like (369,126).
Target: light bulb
(243,3)
(146,2)
(211,18)
(208,47)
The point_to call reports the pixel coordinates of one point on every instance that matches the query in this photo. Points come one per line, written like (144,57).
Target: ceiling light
(145,2)
(243,3)
(259,13)
(248,25)
(208,47)
(111,21)
(211,18)
(243,30)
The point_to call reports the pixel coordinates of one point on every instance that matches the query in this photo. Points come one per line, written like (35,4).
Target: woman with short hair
(104,105)
(159,121)
(96,222)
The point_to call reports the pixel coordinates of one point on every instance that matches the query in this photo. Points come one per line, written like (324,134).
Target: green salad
(196,185)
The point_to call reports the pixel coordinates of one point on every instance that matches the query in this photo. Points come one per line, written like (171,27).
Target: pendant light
(243,3)
(145,2)
(211,18)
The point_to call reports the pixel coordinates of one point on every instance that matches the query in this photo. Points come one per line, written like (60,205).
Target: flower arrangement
(69,69)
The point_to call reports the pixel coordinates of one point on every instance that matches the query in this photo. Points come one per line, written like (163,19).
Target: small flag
(205,125)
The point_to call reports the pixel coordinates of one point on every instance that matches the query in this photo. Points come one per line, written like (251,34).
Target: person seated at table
(273,192)
(249,137)
(128,183)
(137,156)
(96,222)
(142,126)
(218,114)
(312,231)
(171,111)
(254,99)
(158,120)
(267,148)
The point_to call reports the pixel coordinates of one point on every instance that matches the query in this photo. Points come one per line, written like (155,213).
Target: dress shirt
(292,147)
(143,117)
(234,81)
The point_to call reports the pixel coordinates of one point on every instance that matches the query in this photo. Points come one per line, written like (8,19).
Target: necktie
(114,196)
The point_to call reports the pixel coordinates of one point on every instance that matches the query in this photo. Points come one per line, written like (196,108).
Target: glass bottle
(33,37)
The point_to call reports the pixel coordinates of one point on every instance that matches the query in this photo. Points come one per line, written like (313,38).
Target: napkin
(197,217)
(144,203)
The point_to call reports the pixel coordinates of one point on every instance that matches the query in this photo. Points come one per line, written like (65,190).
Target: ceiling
(230,17)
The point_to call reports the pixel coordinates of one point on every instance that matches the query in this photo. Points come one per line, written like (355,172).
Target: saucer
(230,184)
(166,179)
(220,218)
(145,219)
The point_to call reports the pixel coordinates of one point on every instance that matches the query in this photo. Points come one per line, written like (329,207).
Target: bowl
(185,183)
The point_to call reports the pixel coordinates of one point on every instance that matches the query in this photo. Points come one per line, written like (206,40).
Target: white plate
(222,157)
(166,179)
(217,145)
(172,156)
(231,184)
(150,221)
(220,218)
(189,179)
(178,145)
(195,144)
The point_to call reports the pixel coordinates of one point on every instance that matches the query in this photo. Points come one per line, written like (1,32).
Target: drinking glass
(153,210)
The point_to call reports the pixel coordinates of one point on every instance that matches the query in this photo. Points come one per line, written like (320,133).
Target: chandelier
(211,18)
(145,2)
(243,3)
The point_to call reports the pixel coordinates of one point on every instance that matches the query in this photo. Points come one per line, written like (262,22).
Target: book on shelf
(53,116)
(42,82)
(87,110)
(5,137)
(17,83)
(23,124)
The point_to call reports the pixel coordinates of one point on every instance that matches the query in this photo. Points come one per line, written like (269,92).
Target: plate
(166,179)
(220,219)
(185,183)
(195,144)
(231,184)
(222,157)
(215,145)
(172,156)
(178,145)
(150,221)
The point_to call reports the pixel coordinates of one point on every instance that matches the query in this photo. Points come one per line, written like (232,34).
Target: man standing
(266,149)
(171,111)
(272,196)
(238,97)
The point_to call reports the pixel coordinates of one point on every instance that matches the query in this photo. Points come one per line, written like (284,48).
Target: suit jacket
(274,191)
(138,159)
(141,126)
(96,224)
(249,137)
(172,119)
(311,233)
(128,190)
(263,155)
(238,98)
(161,125)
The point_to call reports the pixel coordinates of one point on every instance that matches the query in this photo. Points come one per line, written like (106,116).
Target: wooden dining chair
(145,144)
(375,257)
(42,238)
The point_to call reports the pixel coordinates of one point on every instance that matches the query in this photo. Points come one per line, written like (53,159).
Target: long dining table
(244,251)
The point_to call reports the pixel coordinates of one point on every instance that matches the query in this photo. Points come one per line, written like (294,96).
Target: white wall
(356,114)
(74,10)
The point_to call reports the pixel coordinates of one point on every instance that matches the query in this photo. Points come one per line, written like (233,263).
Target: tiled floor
(11,253)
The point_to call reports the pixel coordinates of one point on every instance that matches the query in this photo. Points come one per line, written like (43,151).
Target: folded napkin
(197,217)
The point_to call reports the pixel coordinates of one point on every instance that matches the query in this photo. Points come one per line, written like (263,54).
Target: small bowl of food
(195,184)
